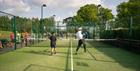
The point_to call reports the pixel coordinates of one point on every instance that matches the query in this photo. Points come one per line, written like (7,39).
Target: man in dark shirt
(53,43)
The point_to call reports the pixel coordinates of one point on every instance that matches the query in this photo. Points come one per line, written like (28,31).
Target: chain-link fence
(20,32)
(7,30)
(125,28)
(16,32)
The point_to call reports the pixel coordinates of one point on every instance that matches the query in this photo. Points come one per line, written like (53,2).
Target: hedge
(121,34)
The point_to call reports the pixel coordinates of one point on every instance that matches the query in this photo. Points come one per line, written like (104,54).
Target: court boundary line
(71,55)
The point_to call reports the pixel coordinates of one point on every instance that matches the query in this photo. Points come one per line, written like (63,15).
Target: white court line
(71,57)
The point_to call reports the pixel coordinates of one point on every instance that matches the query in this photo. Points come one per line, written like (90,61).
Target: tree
(49,24)
(89,15)
(134,0)
(35,25)
(5,23)
(129,9)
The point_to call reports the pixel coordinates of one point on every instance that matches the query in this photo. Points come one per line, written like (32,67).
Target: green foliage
(134,0)
(120,34)
(135,34)
(129,9)
(106,14)
(88,13)
(35,25)
(91,13)
(49,23)
(5,23)
(108,34)
(24,24)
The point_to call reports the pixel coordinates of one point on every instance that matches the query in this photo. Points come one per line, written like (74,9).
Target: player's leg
(84,48)
(54,50)
(84,45)
(54,46)
(79,45)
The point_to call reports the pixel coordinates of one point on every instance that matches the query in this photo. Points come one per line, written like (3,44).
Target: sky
(60,8)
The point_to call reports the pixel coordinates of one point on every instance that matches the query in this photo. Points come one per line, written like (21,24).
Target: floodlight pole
(41,19)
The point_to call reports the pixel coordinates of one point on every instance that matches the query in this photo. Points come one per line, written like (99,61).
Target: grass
(99,57)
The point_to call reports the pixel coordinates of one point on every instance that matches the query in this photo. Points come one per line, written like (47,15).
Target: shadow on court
(82,64)
(35,67)
(67,66)
(125,58)
(44,52)
(60,53)
(39,52)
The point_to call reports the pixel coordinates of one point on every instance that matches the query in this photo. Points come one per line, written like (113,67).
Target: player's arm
(50,37)
(55,39)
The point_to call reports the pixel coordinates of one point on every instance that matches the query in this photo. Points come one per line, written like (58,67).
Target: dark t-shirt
(53,39)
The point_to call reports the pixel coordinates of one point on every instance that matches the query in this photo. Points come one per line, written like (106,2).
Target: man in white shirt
(81,40)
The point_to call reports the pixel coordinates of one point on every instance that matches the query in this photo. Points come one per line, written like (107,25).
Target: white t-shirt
(79,35)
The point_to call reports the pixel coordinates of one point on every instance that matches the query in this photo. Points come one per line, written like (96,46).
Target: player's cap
(80,28)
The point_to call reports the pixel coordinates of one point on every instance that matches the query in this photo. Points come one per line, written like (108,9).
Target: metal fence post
(14,30)
(130,27)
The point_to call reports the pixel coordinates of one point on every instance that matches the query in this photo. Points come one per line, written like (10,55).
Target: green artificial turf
(99,57)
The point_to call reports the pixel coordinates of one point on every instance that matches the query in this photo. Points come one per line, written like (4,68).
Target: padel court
(99,57)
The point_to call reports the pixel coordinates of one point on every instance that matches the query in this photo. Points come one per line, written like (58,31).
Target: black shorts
(53,45)
(80,42)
